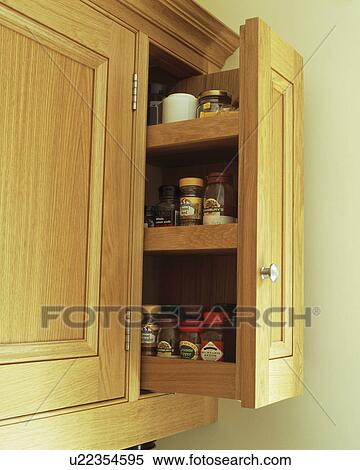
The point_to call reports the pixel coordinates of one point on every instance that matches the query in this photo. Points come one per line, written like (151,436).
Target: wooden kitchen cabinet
(78,165)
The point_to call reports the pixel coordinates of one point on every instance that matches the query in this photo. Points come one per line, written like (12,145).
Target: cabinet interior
(190,277)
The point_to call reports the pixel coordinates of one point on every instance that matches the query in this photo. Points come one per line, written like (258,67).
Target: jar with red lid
(190,342)
(212,339)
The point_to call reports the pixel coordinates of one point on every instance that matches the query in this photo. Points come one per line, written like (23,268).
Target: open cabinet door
(268,160)
(270,339)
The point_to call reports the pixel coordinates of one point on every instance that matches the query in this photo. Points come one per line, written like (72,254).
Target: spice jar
(190,342)
(191,194)
(212,102)
(167,210)
(219,200)
(168,339)
(212,339)
(149,330)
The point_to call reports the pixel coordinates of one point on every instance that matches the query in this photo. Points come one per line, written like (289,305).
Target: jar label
(189,350)
(164,349)
(191,208)
(148,336)
(214,213)
(166,217)
(212,351)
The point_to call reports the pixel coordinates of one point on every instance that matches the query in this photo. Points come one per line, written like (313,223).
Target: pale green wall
(332,236)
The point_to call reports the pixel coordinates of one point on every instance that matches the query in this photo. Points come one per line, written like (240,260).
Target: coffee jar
(191,201)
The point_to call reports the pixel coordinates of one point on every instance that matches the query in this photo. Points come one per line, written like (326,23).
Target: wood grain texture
(137,219)
(282,141)
(182,26)
(286,373)
(191,377)
(41,193)
(224,80)
(201,280)
(195,239)
(112,426)
(270,226)
(69,88)
(254,65)
(193,135)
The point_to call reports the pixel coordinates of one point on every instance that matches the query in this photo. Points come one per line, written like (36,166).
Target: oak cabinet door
(270,343)
(66,141)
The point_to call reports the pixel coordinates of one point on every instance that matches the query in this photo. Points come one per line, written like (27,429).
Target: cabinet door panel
(271,217)
(62,145)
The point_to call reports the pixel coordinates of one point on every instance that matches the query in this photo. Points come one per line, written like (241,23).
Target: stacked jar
(159,332)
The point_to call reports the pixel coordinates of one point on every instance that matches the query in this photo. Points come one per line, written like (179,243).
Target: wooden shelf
(193,239)
(196,135)
(194,377)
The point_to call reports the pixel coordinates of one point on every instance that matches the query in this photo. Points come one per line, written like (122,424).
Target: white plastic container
(179,107)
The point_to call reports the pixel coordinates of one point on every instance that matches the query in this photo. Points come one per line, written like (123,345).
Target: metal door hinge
(127,331)
(135,92)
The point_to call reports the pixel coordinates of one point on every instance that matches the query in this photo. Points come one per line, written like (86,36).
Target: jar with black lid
(191,201)
(167,210)
(219,200)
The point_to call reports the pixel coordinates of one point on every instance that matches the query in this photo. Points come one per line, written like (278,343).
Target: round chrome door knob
(272,272)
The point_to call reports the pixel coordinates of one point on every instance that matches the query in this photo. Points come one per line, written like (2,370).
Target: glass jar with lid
(213,102)
(166,212)
(149,329)
(190,342)
(219,200)
(168,338)
(191,201)
(212,339)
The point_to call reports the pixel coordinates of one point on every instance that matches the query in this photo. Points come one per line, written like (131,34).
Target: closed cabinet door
(65,159)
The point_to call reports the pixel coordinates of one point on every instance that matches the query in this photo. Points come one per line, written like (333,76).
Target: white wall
(328,414)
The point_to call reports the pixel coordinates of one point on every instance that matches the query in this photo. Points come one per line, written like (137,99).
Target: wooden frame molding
(188,30)
(112,426)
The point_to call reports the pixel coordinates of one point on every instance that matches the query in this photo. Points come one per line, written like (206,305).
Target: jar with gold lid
(213,102)
(191,201)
